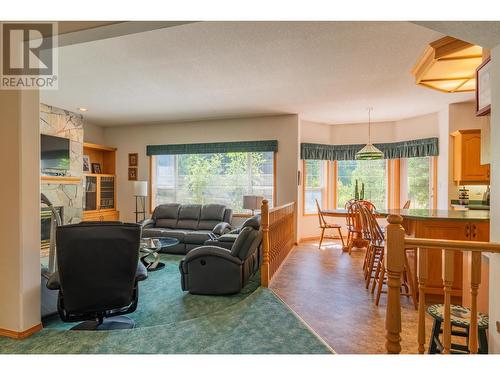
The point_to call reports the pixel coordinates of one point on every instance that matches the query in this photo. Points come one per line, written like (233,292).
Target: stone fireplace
(67,196)
(45,219)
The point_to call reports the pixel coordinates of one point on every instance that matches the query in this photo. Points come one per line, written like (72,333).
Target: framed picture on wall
(133,160)
(96,168)
(132,174)
(86,163)
(483,88)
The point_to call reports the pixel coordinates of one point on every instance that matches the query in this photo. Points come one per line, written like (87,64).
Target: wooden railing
(278,238)
(396,243)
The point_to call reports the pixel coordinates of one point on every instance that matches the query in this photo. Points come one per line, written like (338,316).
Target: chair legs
(322,235)
(407,282)
(341,237)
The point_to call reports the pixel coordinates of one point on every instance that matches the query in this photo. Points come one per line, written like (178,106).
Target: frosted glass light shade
(141,188)
(369,152)
(252,202)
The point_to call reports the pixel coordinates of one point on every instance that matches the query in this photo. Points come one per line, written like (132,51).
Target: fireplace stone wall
(61,123)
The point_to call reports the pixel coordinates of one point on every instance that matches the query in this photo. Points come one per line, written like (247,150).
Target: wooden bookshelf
(100,188)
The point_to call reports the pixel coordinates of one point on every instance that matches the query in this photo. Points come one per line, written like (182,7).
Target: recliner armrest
(221,228)
(215,251)
(141,273)
(53,282)
(147,223)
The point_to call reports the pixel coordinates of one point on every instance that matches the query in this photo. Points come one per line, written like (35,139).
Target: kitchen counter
(468,225)
(448,215)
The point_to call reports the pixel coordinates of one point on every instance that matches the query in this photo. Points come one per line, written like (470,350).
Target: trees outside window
(373,173)
(213,178)
(418,174)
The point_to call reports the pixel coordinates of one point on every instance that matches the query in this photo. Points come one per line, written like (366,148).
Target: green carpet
(172,321)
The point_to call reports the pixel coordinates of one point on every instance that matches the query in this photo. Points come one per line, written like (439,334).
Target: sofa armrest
(141,272)
(211,251)
(53,282)
(147,223)
(221,228)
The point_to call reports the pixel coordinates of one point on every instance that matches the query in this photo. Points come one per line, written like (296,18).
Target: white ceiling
(327,72)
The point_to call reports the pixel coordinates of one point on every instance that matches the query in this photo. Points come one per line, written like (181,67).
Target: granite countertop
(422,214)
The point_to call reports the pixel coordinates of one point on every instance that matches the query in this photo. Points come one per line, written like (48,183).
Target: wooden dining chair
(375,270)
(324,225)
(352,228)
(374,249)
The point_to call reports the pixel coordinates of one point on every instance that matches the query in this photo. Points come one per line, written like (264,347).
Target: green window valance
(212,148)
(396,150)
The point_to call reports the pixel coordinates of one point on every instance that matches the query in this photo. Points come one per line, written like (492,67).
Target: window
(212,178)
(314,185)
(418,182)
(370,172)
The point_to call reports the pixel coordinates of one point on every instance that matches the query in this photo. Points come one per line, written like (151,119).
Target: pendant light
(369,152)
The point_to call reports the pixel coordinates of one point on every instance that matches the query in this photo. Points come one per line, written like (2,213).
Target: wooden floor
(326,288)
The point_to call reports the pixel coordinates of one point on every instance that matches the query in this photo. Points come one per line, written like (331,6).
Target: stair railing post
(264,269)
(394,264)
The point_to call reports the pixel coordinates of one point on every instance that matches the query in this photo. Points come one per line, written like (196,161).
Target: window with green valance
(396,150)
(213,148)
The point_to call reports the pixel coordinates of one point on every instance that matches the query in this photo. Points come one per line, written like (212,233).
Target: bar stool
(460,317)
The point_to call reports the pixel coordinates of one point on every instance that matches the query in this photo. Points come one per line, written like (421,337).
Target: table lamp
(140,194)
(252,202)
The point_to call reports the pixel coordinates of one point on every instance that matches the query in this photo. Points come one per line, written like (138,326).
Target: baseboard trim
(21,335)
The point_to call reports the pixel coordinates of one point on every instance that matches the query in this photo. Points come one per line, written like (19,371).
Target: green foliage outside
(370,172)
(419,182)
(213,178)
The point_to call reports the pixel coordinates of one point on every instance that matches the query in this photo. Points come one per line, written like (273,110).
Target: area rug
(172,321)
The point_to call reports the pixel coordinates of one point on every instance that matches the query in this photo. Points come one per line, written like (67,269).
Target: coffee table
(150,246)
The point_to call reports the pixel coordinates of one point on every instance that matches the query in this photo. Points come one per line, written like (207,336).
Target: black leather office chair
(98,272)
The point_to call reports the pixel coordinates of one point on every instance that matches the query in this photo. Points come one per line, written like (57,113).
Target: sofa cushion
(166,215)
(253,222)
(166,223)
(189,215)
(211,215)
(197,237)
(179,234)
(245,242)
(213,212)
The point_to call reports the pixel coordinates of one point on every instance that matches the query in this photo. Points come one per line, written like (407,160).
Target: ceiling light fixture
(369,152)
(81,109)
(448,65)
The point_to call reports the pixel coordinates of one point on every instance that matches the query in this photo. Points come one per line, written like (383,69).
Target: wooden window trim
(393,168)
(434,167)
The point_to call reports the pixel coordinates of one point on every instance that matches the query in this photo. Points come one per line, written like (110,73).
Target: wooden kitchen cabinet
(452,230)
(467,167)
(480,231)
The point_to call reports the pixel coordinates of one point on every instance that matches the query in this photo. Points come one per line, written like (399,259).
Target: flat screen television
(54,154)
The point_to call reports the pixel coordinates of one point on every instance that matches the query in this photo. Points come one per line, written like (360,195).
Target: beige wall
(494,282)
(93,133)
(131,139)
(20,219)
(413,128)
